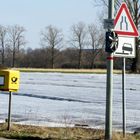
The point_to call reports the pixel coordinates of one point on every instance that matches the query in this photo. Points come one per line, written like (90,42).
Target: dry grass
(97,71)
(25,132)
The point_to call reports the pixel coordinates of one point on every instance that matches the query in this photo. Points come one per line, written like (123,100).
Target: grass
(96,71)
(25,132)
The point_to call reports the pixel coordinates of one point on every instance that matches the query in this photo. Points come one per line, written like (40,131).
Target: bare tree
(16,39)
(78,39)
(52,38)
(3,32)
(96,41)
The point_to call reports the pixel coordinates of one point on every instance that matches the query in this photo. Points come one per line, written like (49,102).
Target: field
(57,101)
(97,71)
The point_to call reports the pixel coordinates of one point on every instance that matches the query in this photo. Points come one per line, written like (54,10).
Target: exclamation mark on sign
(123,24)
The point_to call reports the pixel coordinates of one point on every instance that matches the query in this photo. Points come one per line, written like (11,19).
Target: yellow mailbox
(9,80)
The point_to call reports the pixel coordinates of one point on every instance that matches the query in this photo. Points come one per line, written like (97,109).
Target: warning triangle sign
(124,25)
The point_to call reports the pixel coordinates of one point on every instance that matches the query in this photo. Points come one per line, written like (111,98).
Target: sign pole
(109,86)
(9,111)
(123,98)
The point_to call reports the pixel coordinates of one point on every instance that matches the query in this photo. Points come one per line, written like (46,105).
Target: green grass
(24,132)
(96,71)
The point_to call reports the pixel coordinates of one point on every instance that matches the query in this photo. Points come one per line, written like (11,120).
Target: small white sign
(1,80)
(108,23)
(126,47)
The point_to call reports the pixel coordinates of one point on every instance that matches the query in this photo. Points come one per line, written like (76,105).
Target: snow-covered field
(57,98)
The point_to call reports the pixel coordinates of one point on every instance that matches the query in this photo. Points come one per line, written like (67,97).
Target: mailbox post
(9,111)
(9,81)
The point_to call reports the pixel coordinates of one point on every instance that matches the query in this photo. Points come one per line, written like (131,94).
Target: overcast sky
(34,15)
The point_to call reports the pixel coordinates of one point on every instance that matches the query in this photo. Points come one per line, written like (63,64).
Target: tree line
(83,49)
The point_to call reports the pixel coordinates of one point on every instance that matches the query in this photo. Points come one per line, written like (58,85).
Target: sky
(34,15)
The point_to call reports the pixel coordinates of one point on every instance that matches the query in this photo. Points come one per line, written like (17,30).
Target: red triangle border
(135,33)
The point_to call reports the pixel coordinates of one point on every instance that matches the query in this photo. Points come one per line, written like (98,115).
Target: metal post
(123,98)
(109,86)
(9,111)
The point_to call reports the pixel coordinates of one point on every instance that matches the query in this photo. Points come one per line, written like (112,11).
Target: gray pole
(123,98)
(9,111)
(109,86)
